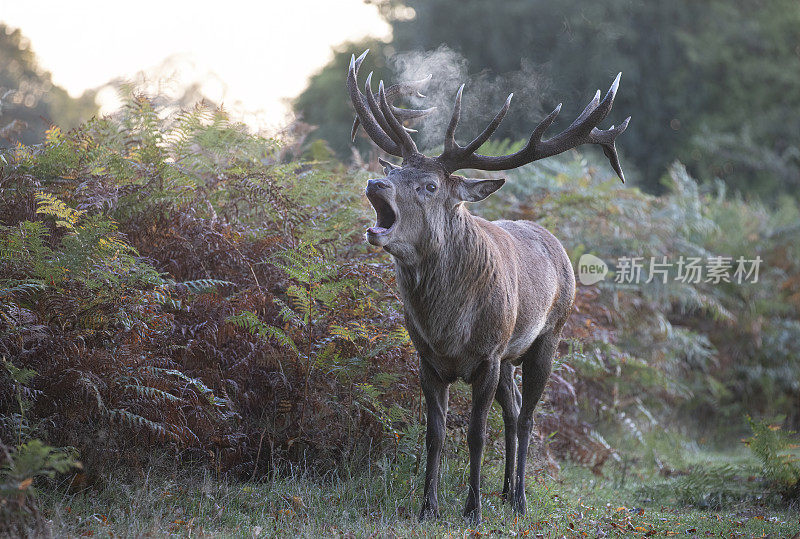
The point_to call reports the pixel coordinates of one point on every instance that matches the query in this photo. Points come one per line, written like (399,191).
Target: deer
(480,298)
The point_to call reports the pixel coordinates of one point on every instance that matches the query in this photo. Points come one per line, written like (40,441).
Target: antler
(381,120)
(410,88)
(582,131)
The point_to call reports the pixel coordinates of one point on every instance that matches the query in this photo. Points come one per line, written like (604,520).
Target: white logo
(591,269)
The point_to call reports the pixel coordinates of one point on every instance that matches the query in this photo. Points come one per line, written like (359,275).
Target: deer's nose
(373,185)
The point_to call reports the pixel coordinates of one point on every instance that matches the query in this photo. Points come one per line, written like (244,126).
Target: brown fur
(478,296)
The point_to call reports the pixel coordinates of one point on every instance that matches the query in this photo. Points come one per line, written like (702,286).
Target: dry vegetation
(176,285)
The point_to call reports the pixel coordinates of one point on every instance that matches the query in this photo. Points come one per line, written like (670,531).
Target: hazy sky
(261,52)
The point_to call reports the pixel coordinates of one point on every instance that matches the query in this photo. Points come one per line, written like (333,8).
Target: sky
(253,56)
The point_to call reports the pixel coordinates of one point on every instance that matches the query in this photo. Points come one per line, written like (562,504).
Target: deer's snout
(377,185)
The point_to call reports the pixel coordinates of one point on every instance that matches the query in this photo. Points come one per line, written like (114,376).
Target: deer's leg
(435,391)
(536,365)
(509,398)
(484,386)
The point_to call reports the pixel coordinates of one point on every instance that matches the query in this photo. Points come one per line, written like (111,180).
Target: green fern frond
(778,451)
(51,205)
(152,393)
(135,421)
(287,314)
(24,288)
(201,388)
(343,333)
(199,286)
(249,320)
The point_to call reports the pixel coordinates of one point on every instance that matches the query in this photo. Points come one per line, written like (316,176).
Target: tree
(325,102)
(29,101)
(747,129)
(711,83)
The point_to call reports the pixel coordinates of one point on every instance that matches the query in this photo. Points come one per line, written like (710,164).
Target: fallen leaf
(296,502)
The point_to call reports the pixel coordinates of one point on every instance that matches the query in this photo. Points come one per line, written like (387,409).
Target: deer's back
(545,283)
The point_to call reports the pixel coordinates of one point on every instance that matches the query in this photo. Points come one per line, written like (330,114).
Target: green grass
(382,501)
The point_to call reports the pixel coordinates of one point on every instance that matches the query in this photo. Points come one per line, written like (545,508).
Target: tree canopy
(29,101)
(715,84)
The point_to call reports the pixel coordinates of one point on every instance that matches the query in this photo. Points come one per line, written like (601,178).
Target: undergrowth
(172,283)
(372,502)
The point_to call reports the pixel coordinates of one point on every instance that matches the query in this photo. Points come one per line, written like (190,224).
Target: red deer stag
(479,297)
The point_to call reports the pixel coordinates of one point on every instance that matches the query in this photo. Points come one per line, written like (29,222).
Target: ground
(381,501)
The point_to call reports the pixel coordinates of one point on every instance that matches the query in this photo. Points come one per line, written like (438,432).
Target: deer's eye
(431,187)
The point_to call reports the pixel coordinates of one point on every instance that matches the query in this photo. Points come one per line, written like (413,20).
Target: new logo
(591,269)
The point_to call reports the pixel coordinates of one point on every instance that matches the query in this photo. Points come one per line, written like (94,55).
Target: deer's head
(417,200)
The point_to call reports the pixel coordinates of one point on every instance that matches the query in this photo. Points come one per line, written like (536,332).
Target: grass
(383,500)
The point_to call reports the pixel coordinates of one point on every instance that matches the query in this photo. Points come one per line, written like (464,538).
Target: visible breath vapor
(484,94)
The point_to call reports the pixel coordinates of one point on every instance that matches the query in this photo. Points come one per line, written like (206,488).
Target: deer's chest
(445,329)
(455,332)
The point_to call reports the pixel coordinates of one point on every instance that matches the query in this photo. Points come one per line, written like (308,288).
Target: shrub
(22,463)
(156,277)
(177,282)
(779,453)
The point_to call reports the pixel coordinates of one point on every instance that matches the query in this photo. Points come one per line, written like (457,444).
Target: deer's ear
(470,190)
(387,165)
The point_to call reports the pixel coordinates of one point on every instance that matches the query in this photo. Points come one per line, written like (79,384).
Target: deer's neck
(449,271)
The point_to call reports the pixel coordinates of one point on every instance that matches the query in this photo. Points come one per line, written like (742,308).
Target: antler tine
(407,143)
(408,88)
(579,132)
(596,111)
(371,126)
(544,125)
(402,115)
(450,144)
(587,110)
(376,110)
(411,89)
(490,129)
(409,114)
(606,138)
(582,131)
(599,114)
(452,151)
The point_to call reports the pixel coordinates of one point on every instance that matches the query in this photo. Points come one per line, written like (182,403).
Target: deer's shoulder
(524,234)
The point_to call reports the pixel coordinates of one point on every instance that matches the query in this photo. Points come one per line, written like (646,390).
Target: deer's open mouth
(386,219)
